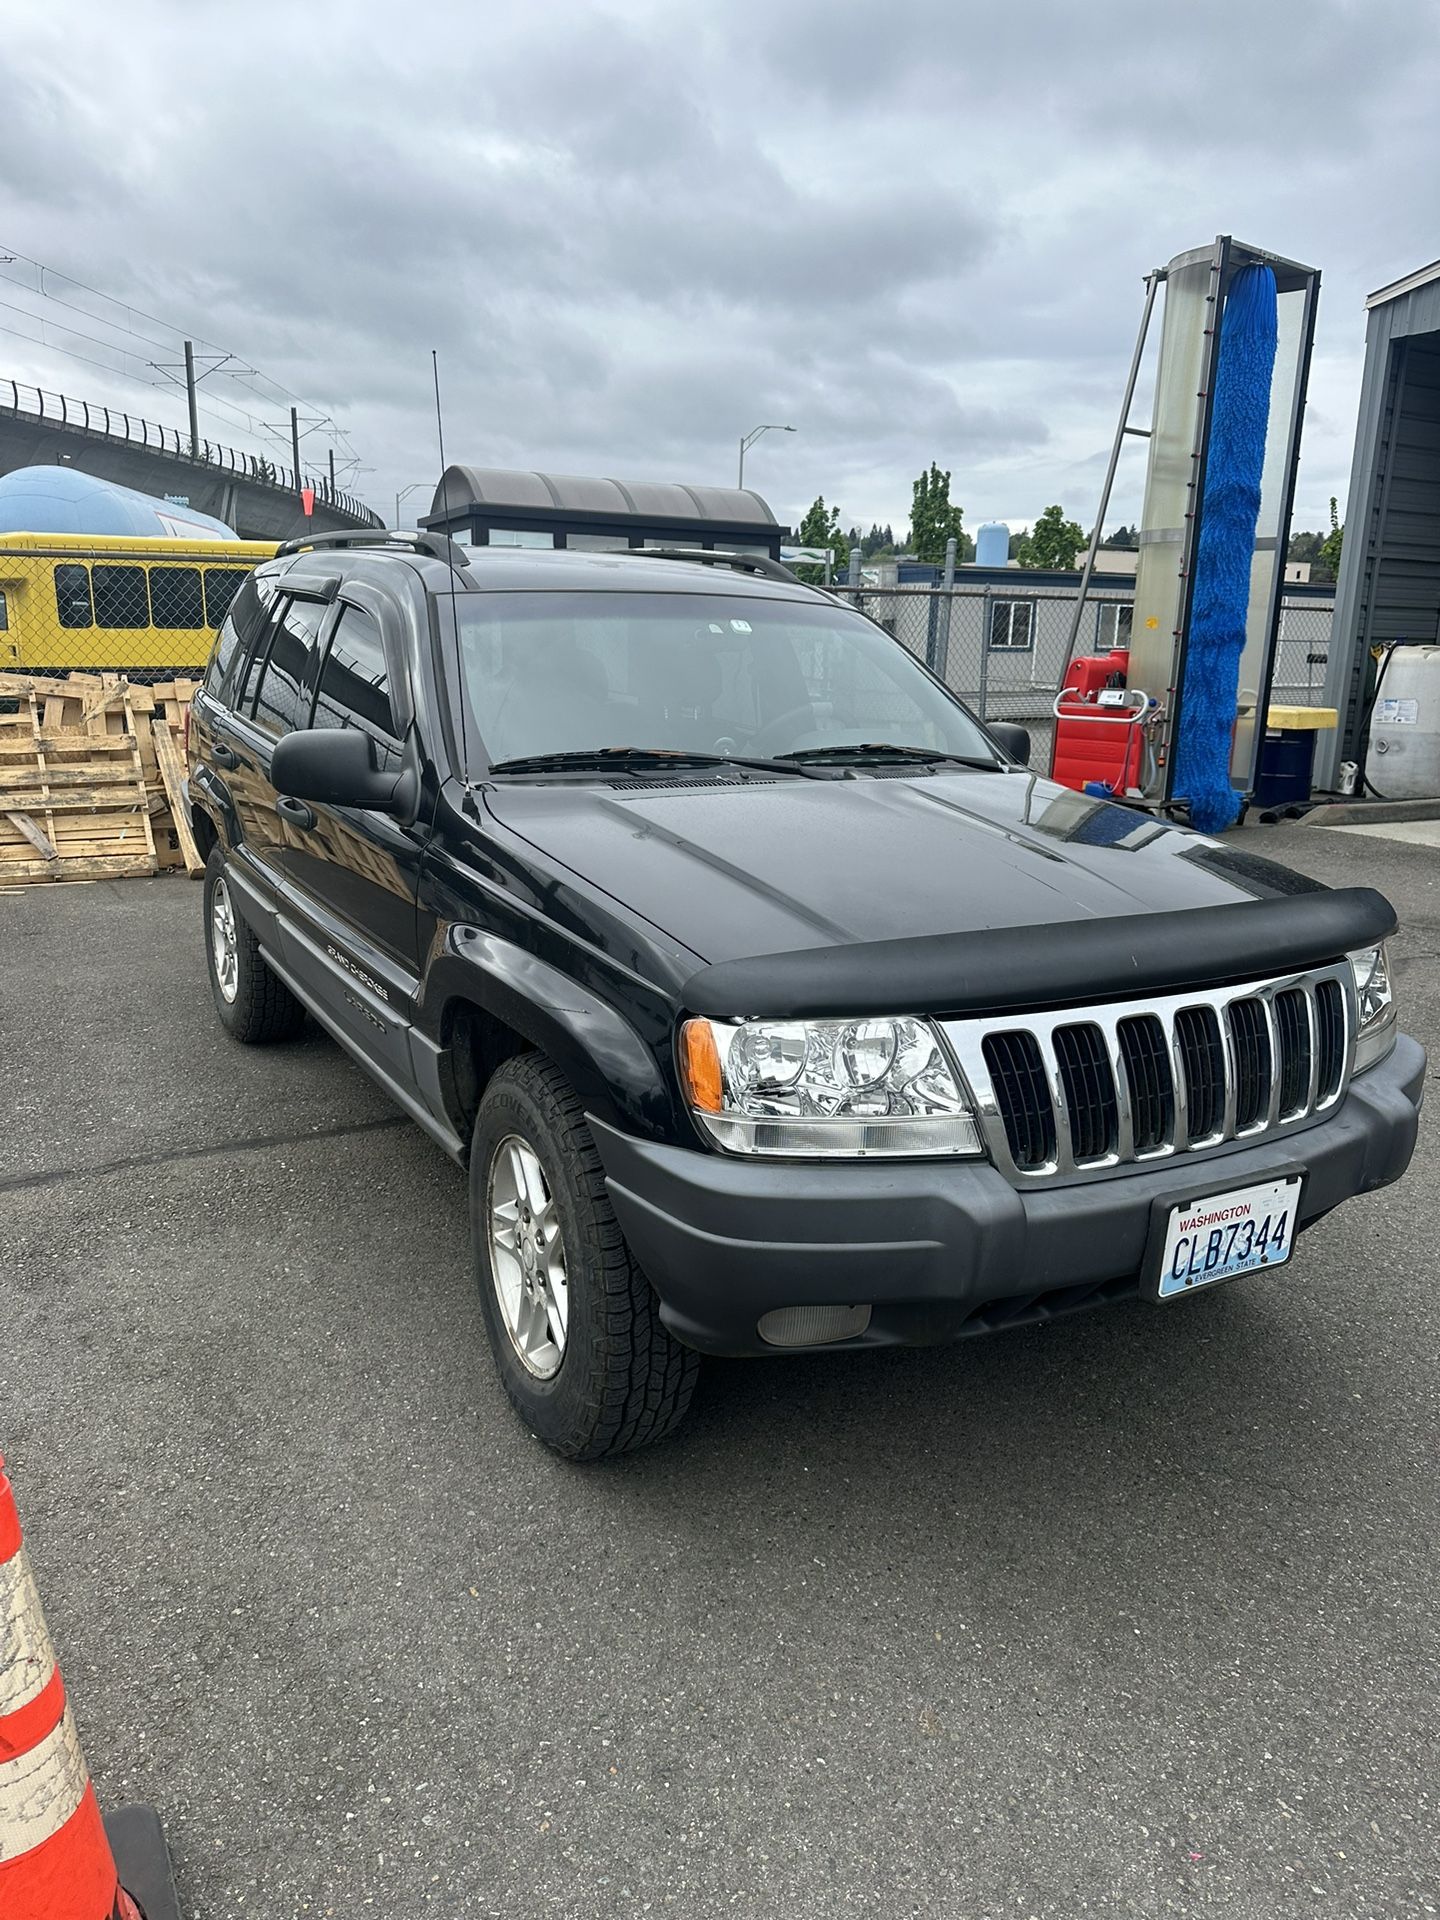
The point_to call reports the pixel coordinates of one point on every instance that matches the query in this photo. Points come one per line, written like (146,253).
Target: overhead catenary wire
(131,325)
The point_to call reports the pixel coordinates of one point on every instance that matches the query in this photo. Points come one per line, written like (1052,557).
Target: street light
(750,439)
(404,494)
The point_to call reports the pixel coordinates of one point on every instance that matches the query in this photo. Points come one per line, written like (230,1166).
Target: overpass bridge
(260,501)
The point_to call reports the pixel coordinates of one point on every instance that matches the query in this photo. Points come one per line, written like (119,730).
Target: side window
(250,617)
(1012,626)
(72,597)
(354,689)
(1112,625)
(175,598)
(277,696)
(221,586)
(227,643)
(120,597)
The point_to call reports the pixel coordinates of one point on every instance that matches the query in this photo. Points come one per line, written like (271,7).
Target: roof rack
(742,562)
(435,544)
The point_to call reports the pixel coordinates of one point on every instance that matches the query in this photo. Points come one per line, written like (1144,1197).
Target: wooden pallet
(106,704)
(73,804)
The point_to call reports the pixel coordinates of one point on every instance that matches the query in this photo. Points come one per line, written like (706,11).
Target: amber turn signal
(700,1066)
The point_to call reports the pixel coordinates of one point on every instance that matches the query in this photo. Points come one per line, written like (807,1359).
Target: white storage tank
(992,544)
(1404,759)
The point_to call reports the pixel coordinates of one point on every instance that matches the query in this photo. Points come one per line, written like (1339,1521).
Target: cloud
(634,230)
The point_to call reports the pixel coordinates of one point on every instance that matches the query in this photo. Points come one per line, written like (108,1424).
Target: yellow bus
(87,601)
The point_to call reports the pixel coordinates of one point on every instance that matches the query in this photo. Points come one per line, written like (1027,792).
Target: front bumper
(944,1248)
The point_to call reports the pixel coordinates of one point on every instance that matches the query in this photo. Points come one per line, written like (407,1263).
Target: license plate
(1227,1233)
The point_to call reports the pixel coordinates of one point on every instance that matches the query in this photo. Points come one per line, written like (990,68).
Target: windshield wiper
(880,751)
(643,759)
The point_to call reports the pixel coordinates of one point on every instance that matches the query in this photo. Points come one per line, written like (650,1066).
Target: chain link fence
(1004,650)
(1302,653)
(103,610)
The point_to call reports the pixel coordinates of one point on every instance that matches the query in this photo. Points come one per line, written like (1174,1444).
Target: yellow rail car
(79,601)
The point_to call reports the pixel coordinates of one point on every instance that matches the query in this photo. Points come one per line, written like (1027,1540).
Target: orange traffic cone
(56,1857)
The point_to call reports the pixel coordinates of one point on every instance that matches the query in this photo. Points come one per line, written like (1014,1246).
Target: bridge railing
(114,423)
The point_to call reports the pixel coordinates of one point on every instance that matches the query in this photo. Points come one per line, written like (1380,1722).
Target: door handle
(295,811)
(222,755)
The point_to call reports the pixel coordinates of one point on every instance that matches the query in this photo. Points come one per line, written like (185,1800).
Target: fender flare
(607,1061)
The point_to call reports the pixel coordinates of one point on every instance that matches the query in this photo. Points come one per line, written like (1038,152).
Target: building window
(72,597)
(120,597)
(175,598)
(1112,626)
(4,615)
(520,537)
(1012,626)
(597,542)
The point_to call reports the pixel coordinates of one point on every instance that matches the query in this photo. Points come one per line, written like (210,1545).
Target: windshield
(699,673)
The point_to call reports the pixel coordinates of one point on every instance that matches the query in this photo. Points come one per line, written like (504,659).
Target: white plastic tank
(1404,759)
(992,544)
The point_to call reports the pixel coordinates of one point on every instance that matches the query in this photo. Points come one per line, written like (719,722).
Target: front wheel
(574,1324)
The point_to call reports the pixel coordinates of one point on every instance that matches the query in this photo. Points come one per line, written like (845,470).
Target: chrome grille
(1018,1075)
(1074,1092)
(1145,1057)
(1088,1084)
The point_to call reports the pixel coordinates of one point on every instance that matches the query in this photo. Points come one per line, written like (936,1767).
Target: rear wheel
(574,1324)
(253,1003)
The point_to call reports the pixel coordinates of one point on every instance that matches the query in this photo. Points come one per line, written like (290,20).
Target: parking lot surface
(1134,1615)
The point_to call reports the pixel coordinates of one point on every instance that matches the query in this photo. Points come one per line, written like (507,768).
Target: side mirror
(1013,740)
(335,766)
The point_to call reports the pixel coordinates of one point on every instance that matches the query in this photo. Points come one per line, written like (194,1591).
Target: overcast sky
(636,228)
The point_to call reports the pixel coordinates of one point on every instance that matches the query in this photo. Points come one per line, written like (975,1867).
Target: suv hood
(735,870)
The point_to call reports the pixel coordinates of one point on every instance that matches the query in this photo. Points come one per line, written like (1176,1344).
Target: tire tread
(642,1386)
(264,1009)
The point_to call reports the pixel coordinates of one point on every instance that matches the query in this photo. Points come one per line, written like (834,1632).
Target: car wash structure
(1383,675)
(1180,719)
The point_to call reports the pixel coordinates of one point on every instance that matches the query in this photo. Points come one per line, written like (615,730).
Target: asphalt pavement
(1135,1615)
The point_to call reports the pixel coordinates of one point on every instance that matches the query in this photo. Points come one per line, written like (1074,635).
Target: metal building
(495,506)
(1389,585)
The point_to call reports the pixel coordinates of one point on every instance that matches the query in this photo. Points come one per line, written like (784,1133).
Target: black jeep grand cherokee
(771,1003)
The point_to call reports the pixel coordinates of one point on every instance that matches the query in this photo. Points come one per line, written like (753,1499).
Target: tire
(255,1006)
(618,1380)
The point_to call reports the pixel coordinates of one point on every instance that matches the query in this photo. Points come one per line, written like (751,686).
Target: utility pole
(295,442)
(190,397)
(332,473)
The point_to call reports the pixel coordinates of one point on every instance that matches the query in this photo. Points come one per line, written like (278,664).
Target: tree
(1329,555)
(933,520)
(1054,541)
(821,528)
(1123,537)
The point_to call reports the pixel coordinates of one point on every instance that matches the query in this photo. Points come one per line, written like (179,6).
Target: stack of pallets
(90,778)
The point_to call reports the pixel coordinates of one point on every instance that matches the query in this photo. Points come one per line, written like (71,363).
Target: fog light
(811,1326)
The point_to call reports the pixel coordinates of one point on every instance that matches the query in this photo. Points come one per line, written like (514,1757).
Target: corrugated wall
(1403,602)
(1389,586)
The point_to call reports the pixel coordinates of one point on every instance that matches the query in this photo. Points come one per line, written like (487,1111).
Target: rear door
(354,873)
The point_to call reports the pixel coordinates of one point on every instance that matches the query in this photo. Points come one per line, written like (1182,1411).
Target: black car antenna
(454,614)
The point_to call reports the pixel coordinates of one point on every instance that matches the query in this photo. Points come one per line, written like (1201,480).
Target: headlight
(810,1089)
(1375,1006)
